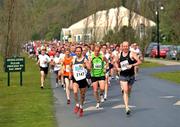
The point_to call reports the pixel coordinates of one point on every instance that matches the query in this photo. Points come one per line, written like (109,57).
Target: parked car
(168,47)
(149,48)
(163,51)
(174,53)
(171,54)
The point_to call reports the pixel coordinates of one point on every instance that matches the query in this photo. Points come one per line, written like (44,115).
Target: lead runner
(125,64)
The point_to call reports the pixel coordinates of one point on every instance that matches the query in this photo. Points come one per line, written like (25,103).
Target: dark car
(171,54)
(174,53)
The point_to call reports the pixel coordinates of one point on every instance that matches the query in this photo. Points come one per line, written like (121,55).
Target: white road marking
(122,106)
(177,103)
(108,100)
(93,108)
(113,100)
(166,97)
(88,101)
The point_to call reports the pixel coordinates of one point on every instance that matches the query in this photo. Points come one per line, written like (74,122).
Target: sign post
(8,78)
(21,78)
(15,64)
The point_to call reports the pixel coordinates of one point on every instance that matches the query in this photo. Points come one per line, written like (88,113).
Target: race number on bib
(97,65)
(57,67)
(124,65)
(67,68)
(79,72)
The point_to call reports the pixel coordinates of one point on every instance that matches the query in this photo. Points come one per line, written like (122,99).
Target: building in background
(95,26)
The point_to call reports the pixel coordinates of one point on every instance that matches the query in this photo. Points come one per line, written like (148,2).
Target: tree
(16,27)
(170,19)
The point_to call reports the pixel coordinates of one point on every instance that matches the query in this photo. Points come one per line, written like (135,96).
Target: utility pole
(157,32)
(158,8)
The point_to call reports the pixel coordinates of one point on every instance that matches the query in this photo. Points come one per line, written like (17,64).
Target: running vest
(97,66)
(124,61)
(66,64)
(57,65)
(79,72)
(44,60)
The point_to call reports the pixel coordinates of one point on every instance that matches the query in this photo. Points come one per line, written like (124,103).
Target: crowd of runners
(78,66)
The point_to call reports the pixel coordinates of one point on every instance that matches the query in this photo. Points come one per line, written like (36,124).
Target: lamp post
(157,32)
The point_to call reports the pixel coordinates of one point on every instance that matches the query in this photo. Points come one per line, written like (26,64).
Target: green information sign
(15,64)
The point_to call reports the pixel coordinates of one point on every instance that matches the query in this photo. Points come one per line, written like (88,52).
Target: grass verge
(26,106)
(171,76)
(147,64)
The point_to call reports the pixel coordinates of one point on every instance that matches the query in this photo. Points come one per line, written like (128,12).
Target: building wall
(106,20)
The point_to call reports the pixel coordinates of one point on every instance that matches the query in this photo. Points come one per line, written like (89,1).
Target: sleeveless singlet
(124,62)
(79,72)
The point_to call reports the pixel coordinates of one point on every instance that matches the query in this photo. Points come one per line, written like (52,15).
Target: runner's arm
(89,63)
(116,64)
(107,62)
(71,69)
(85,63)
(136,58)
(38,62)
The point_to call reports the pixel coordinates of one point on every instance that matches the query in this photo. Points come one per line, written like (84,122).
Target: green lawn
(147,64)
(27,105)
(171,76)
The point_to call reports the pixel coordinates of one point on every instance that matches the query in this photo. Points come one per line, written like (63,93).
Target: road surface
(154,103)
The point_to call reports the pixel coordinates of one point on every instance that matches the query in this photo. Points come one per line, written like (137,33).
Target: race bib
(97,65)
(79,72)
(124,65)
(57,67)
(67,68)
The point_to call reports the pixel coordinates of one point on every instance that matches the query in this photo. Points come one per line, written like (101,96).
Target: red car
(162,53)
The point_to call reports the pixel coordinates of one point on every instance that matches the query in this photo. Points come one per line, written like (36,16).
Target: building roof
(102,16)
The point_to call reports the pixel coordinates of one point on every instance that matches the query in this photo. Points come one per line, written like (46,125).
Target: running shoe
(42,87)
(117,77)
(62,85)
(68,101)
(97,105)
(122,91)
(102,98)
(81,112)
(76,109)
(105,98)
(128,111)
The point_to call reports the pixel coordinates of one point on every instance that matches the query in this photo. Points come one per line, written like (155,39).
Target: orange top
(67,64)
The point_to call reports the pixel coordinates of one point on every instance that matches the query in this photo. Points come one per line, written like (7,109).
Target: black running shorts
(82,83)
(45,69)
(94,79)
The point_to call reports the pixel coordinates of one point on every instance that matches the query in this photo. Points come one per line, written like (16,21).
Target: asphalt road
(154,103)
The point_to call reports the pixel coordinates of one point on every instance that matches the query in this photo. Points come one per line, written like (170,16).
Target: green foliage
(170,22)
(53,32)
(109,36)
(34,19)
(124,34)
(36,36)
(27,105)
